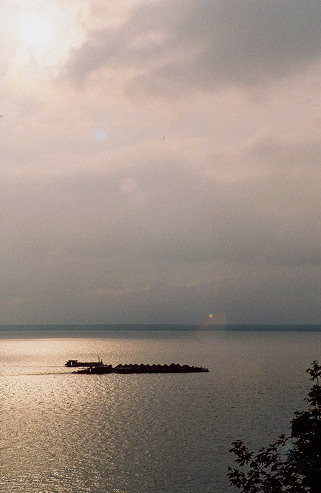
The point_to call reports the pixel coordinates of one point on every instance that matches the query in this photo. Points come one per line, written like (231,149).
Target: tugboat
(74,363)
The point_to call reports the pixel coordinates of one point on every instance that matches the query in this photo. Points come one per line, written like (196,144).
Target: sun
(44,33)
(38,37)
(36,31)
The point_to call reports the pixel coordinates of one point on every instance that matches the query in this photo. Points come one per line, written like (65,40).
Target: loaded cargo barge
(100,368)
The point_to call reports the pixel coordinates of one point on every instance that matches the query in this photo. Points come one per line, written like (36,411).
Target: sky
(160,161)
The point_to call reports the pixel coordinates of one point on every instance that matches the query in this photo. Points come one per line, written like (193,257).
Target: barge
(99,368)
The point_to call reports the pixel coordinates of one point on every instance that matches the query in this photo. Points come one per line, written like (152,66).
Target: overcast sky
(160,161)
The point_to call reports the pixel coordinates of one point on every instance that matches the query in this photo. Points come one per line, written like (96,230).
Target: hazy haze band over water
(56,329)
(143,433)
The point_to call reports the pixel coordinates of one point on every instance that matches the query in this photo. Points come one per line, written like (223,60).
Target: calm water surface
(62,432)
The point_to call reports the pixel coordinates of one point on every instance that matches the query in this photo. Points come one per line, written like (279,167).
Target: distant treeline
(163,327)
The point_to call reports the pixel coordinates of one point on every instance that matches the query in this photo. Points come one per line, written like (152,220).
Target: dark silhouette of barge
(99,368)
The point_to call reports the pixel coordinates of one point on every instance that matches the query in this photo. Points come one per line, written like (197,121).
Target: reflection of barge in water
(100,368)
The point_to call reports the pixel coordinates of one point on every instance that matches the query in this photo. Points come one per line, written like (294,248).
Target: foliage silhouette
(298,470)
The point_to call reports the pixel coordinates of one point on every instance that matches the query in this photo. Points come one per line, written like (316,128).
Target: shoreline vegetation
(165,327)
(290,464)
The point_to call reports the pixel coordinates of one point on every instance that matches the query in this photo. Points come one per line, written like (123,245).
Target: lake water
(169,433)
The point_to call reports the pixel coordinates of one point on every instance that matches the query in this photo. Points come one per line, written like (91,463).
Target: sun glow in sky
(45,32)
(36,30)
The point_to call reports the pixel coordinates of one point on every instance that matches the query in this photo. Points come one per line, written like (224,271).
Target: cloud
(172,45)
(149,210)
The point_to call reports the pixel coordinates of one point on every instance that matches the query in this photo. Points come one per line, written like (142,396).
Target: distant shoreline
(164,327)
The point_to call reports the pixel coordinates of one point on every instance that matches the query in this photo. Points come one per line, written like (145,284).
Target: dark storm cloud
(206,44)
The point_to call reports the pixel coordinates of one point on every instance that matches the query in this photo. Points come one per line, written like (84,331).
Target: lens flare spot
(128,185)
(100,135)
